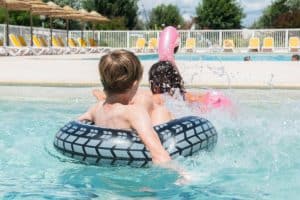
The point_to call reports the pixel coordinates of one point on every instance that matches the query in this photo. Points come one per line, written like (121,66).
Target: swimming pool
(224,57)
(257,155)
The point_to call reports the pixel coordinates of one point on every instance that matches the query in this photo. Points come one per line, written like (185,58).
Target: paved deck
(82,70)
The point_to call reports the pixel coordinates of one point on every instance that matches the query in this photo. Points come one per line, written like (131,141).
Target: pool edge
(192,86)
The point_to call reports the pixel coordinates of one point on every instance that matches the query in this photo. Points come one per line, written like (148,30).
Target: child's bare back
(120,73)
(114,116)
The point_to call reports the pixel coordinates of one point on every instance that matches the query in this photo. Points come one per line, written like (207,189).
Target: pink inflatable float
(216,99)
(168,43)
(169,40)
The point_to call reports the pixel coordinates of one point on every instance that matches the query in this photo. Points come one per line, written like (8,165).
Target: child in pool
(164,78)
(120,73)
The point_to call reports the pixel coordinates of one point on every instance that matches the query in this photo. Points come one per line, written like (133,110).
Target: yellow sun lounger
(190,45)
(99,49)
(92,42)
(82,43)
(60,41)
(140,44)
(268,44)
(38,49)
(39,44)
(152,44)
(36,41)
(228,45)
(75,48)
(43,41)
(18,48)
(294,44)
(72,43)
(55,42)
(254,44)
(93,48)
(58,46)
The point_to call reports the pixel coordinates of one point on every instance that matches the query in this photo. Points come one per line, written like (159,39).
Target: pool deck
(82,71)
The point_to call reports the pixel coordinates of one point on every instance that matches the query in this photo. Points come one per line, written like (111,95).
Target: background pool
(257,155)
(223,57)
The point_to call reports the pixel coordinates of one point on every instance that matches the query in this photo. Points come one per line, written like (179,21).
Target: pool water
(257,155)
(224,57)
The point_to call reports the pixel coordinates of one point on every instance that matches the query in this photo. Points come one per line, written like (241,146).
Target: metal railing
(205,39)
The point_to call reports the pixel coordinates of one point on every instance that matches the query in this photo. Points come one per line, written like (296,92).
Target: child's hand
(100,96)
(185,178)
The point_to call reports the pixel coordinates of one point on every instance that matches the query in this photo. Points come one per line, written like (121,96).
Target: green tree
(219,14)
(167,15)
(19,18)
(280,14)
(126,9)
(116,23)
(293,4)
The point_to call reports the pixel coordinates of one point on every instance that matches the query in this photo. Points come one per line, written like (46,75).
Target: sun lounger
(38,49)
(59,47)
(152,44)
(41,49)
(294,44)
(254,44)
(90,49)
(75,48)
(92,42)
(22,40)
(18,48)
(228,45)
(53,49)
(55,42)
(190,45)
(268,44)
(60,41)
(101,49)
(82,43)
(43,41)
(140,45)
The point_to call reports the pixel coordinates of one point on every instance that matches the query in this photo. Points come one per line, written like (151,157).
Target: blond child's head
(119,70)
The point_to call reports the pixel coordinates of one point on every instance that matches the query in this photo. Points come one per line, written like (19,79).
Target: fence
(127,39)
(204,38)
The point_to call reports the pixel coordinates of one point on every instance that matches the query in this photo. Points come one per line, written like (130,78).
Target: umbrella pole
(51,31)
(94,31)
(68,28)
(31,29)
(7,26)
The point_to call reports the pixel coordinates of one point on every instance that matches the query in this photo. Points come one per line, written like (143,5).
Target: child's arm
(99,95)
(88,115)
(140,121)
(194,98)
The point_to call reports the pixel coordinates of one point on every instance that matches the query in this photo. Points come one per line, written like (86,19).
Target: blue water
(223,57)
(257,155)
